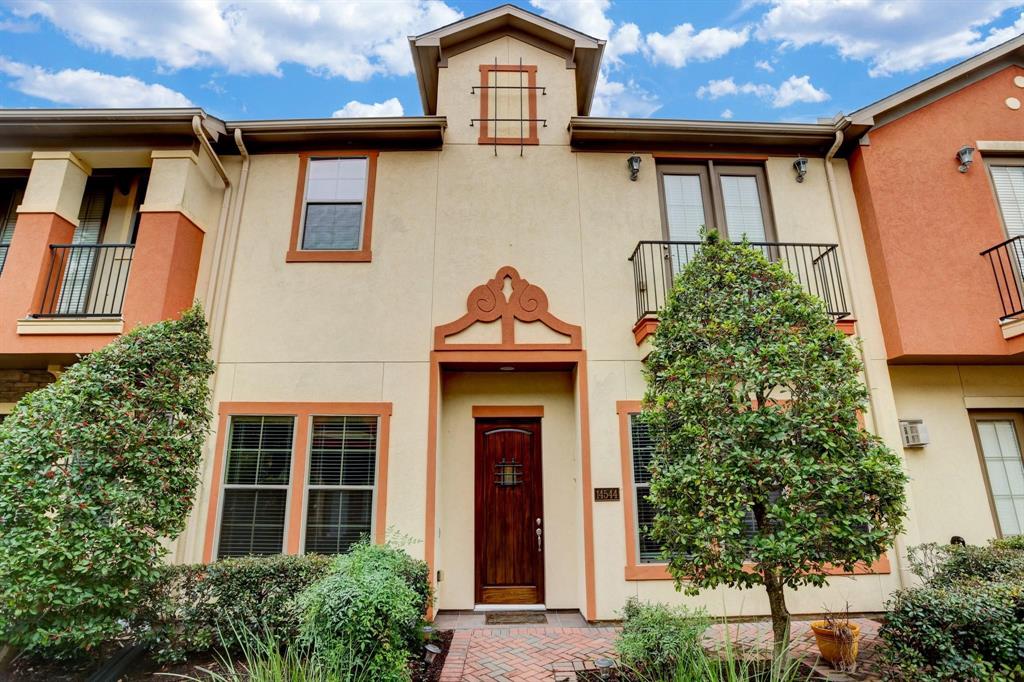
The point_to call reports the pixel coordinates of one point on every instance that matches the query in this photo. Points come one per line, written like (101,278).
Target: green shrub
(94,470)
(961,632)
(658,640)
(368,607)
(967,621)
(195,607)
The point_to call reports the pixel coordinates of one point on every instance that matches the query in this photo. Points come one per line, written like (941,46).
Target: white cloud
(355,109)
(355,40)
(797,89)
(727,86)
(764,66)
(611,98)
(622,100)
(684,44)
(726,113)
(792,90)
(892,37)
(87,88)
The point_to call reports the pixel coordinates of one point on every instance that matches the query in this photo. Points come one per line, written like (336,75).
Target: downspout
(222,290)
(225,208)
(906,577)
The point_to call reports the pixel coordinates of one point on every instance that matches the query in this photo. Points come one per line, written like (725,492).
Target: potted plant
(838,639)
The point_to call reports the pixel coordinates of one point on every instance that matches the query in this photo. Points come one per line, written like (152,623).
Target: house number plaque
(606,494)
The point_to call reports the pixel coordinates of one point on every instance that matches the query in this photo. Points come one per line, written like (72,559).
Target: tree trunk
(6,656)
(780,614)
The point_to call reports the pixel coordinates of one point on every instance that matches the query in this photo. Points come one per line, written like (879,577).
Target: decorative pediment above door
(524,303)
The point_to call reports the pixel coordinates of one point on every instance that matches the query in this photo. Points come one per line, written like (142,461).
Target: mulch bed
(31,670)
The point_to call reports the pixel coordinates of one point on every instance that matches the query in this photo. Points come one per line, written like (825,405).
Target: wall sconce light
(633,163)
(800,166)
(965,155)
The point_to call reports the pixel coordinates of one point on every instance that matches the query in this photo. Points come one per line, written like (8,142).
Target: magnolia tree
(94,470)
(762,473)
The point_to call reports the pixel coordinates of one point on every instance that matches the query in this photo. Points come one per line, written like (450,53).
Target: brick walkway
(522,653)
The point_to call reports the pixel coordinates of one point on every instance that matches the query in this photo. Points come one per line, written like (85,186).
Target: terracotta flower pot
(833,649)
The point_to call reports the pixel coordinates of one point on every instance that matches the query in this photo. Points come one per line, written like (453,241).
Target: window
(342,475)
(256,478)
(11,194)
(731,200)
(998,438)
(1008,181)
(642,449)
(79,263)
(298,477)
(333,217)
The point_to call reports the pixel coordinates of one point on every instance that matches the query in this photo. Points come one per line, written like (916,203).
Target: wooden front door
(509,513)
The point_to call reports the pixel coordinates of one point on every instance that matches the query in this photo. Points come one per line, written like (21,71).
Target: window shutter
(256,478)
(1009,184)
(342,476)
(80,263)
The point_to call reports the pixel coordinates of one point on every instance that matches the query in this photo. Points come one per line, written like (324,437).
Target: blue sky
(765,60)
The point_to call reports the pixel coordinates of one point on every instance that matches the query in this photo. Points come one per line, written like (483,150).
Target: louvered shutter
(342,476)
(256,478)
(10,198)
(80,263)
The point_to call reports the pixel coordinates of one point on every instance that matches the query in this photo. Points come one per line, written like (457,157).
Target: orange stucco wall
(925,223)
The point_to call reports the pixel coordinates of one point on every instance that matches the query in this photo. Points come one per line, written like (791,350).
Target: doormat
(515,618)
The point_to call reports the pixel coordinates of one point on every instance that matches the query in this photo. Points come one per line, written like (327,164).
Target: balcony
(1007,263)
(86,281)
(815,266)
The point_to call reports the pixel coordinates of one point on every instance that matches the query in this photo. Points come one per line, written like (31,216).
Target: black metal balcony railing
(3,255)
(1007,261)
(86,280)
(816,267)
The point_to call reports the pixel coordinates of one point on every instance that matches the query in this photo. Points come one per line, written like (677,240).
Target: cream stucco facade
(456,228)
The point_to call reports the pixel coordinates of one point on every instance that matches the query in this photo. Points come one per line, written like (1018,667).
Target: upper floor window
(11,193)
(334,208)
(728,199)
(1008,179)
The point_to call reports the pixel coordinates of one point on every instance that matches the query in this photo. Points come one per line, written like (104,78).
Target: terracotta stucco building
(436,325)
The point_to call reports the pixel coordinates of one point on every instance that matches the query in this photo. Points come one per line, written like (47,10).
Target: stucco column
(183,202)
(47,215)
(165,265)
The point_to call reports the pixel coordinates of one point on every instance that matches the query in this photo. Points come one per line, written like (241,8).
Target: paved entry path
(517,653)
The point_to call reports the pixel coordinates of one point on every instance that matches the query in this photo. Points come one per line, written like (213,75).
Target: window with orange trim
(298,477)
(333,216)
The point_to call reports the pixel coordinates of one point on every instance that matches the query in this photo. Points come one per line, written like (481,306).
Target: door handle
(540,532)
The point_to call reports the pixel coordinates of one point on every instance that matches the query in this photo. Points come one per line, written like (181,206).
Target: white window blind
(10,198)
(80,263)
(1009,184)
(742,203)
(335,204)
(1000,448)
(342,476)
(642,450)
(256,478)
(684,207)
